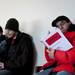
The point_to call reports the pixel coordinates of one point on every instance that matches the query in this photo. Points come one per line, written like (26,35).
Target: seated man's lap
(5,72)
(64,73)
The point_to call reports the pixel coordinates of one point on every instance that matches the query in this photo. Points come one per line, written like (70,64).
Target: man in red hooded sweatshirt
(62,62)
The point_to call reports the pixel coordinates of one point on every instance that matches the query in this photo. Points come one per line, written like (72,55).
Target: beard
(9,40)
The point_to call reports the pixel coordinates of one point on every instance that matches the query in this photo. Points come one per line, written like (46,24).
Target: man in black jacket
(20,56)
(2,37)
(2,41)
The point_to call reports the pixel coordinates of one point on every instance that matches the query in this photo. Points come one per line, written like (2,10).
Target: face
(63,25)
(9,33)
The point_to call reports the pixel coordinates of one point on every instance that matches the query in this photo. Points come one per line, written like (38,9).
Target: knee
(63,73)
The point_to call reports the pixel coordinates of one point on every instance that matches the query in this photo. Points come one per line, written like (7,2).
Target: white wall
(35,17)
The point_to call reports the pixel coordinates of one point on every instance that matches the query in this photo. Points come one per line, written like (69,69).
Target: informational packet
(56,40)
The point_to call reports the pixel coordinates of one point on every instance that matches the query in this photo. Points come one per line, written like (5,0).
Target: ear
(69,23)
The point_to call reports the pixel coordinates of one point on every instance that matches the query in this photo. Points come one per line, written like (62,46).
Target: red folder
(53,38)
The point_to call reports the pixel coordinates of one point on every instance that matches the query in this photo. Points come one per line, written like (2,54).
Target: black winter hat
(12,24)
(60,18)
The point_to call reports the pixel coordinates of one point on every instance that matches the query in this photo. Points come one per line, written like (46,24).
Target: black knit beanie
(12,24)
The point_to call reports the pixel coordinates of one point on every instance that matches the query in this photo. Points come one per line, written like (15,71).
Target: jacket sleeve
(50,61)
(2,46)
(66,56)
(25,56)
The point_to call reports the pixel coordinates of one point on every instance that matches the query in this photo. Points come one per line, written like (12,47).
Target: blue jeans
(49,72)
(5,72)
(63,73)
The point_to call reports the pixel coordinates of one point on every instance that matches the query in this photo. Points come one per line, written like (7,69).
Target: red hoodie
(65,60)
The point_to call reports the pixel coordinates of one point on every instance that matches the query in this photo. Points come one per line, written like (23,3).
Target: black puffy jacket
(21,55)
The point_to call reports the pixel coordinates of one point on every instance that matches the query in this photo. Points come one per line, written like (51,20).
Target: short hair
(1,30)
(60,18)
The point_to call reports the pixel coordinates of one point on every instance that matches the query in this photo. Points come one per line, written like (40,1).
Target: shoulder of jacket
(25,35)
(71,34)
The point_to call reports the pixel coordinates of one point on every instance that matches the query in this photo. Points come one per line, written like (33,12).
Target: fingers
(1,65)
(48,51)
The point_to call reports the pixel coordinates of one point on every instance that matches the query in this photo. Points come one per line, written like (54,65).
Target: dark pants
(5,72)
(49,72)
(45,72)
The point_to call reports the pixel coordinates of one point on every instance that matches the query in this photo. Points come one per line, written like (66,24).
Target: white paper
(61,44)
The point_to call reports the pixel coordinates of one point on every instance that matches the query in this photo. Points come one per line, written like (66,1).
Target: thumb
(48,51)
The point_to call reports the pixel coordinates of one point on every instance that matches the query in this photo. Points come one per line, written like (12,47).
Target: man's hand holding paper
(56,40)
(51,52)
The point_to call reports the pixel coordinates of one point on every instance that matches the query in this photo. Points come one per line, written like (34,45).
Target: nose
(6,32)
(61,27)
